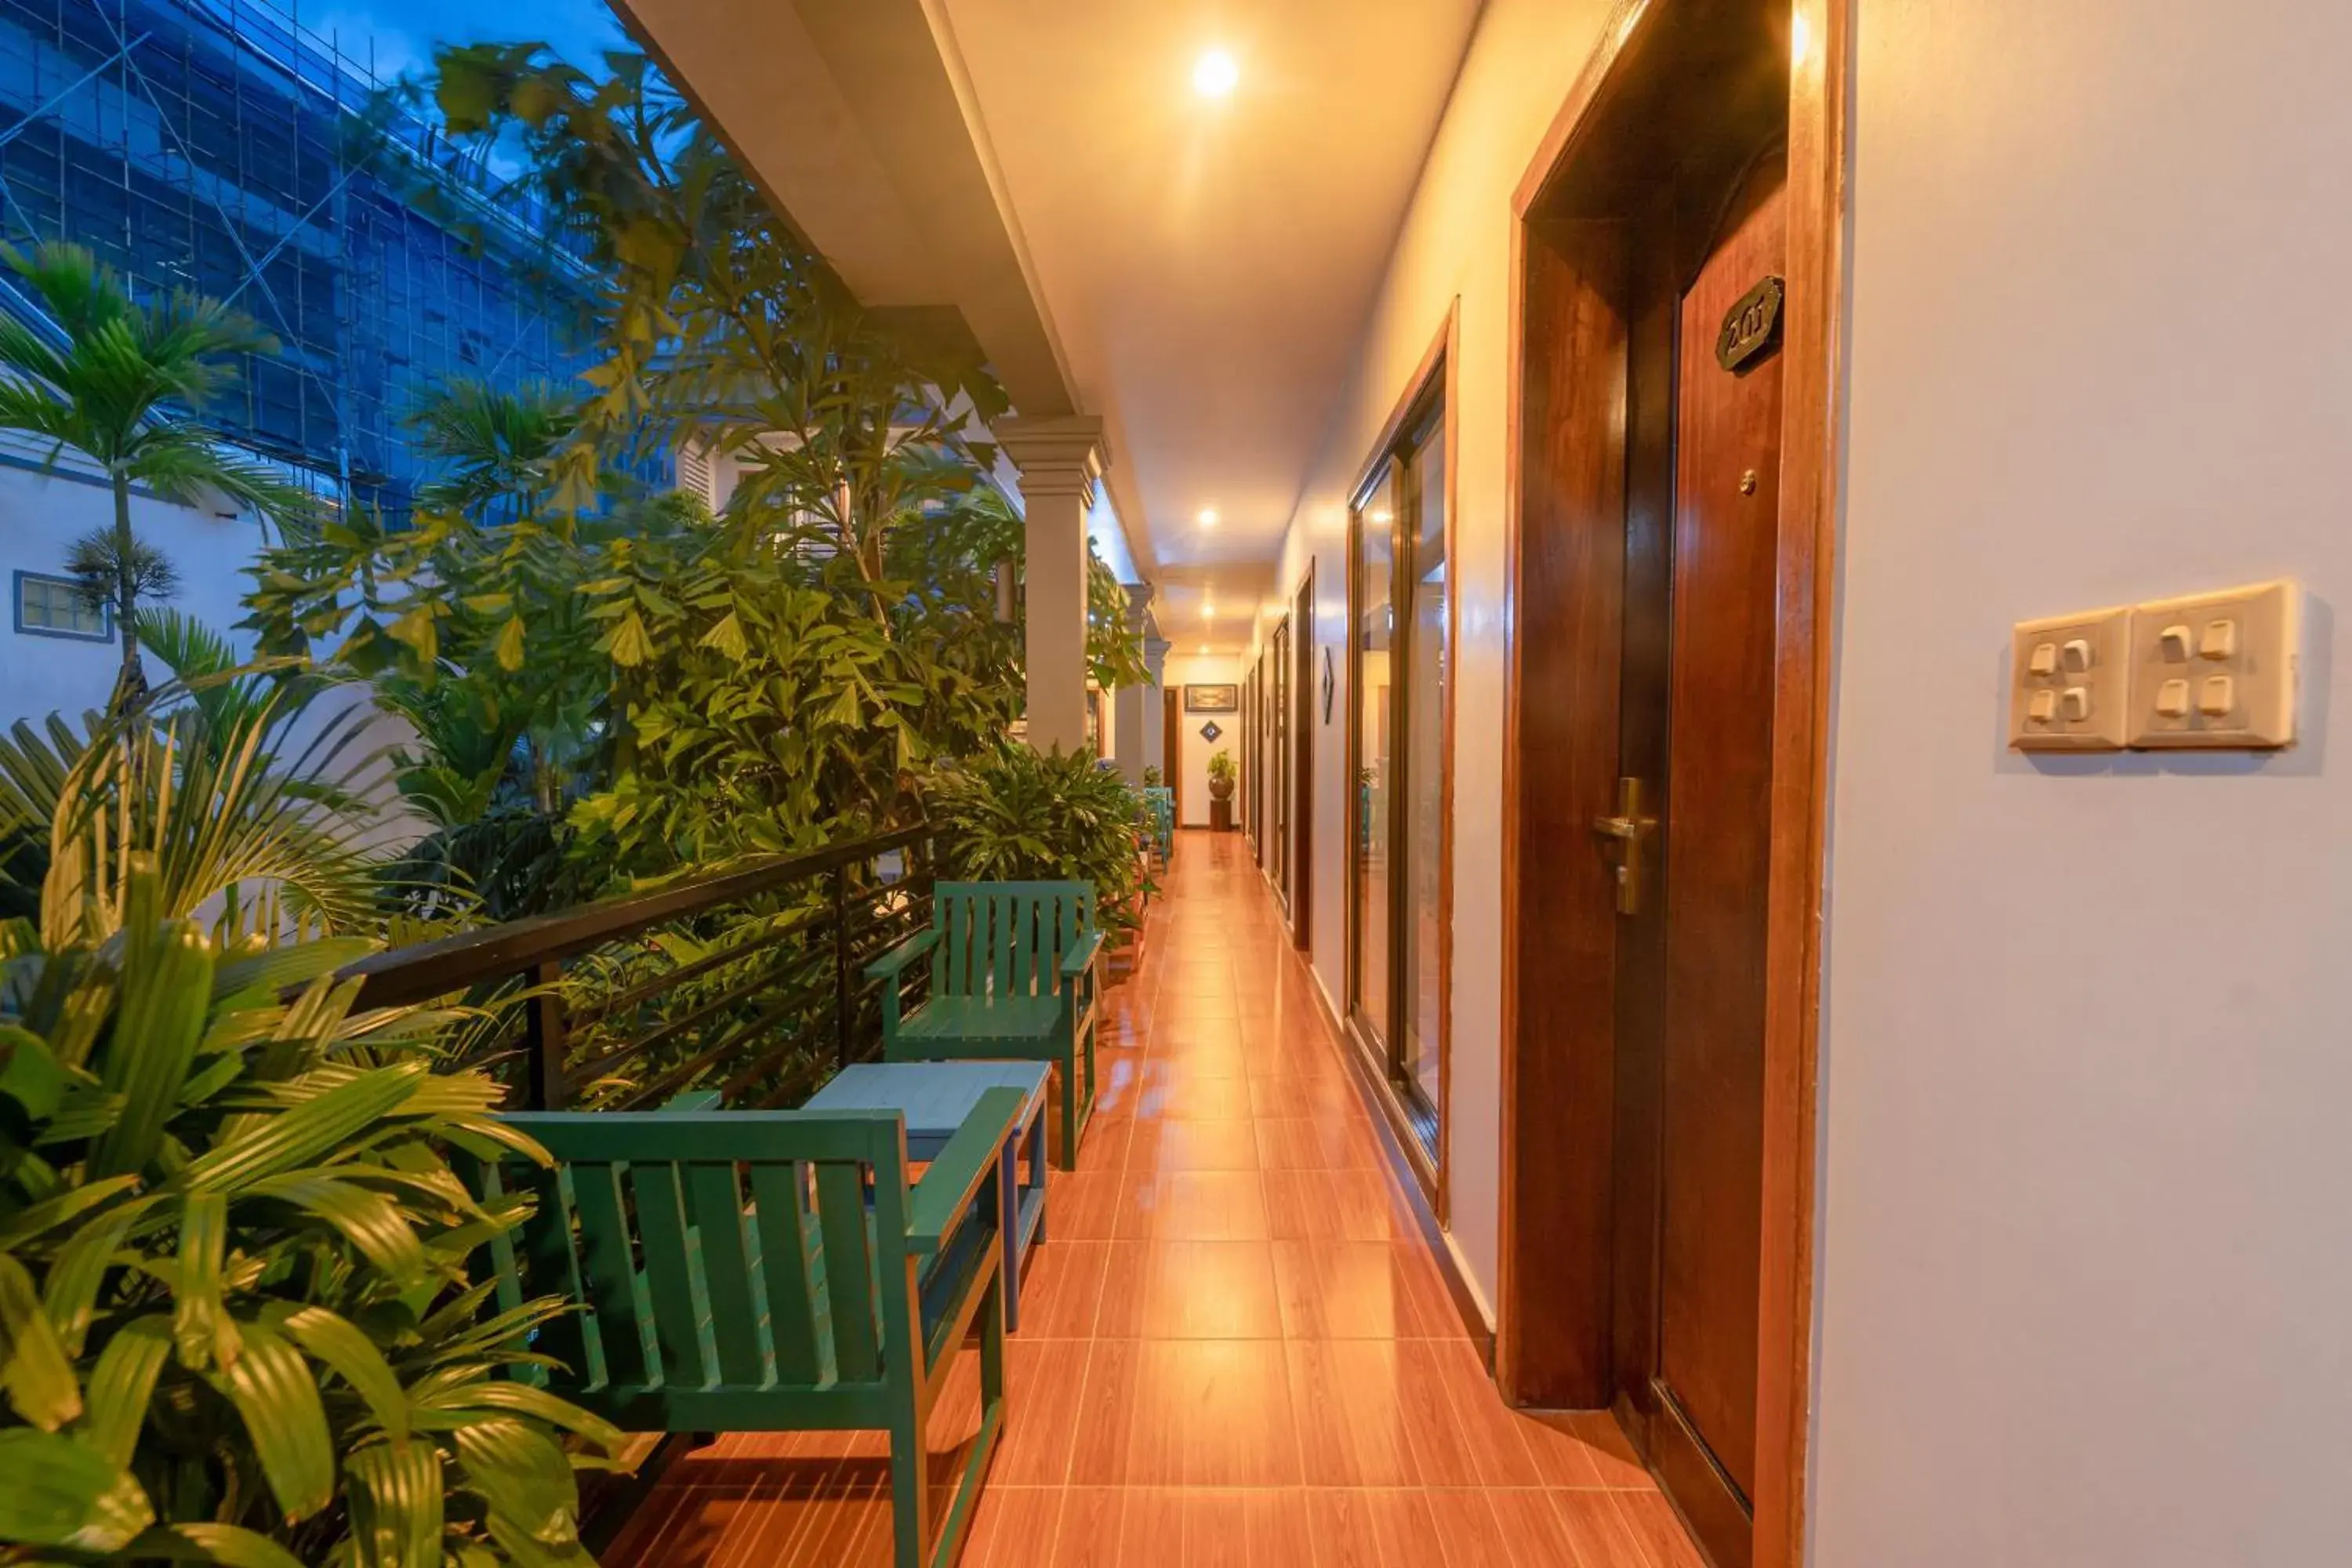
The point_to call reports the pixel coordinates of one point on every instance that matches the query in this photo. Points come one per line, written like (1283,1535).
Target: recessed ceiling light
(1208,611)
(1203,648)
(1216,75)
(1208,517)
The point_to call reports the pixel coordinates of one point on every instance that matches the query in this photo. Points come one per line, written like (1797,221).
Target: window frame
(105,634)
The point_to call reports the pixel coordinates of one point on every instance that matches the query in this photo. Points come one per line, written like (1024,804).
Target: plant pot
(1221,789)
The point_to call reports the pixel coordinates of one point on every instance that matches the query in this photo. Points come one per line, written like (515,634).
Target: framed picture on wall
(1212,698)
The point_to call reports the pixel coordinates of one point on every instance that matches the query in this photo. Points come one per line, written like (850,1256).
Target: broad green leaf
(417,632)
(69,1294)
(167,977)
(201,1325)
(272,1388)
(396,1505)
(42,1387)
(30,1073)
(727,636)
(508,647)
(122,1384)
(62,1492)
(526,1482)
(628,642)
(300,1135)
(206,1541)
(534,1404)
(339,1343)
(63,1209)
(369,1221)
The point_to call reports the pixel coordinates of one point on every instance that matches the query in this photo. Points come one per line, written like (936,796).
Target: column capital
(1058,456)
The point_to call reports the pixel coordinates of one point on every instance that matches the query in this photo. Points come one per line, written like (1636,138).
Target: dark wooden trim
(1412,402)
(1302,764)
(1397,1146)
(401,977)
(1811,401)
(1452,698)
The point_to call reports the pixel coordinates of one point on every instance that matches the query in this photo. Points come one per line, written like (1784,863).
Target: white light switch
(2246,645)
(2069,688)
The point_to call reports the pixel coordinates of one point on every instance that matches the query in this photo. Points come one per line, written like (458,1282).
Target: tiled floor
(1235,1349)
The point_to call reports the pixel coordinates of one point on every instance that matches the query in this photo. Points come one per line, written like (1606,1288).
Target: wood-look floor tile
(1582,1448)
(1062,1287)
(1651,1521)
(1088,1534)
(1198,1205)
(1333,1205)
(1362,1289)
(1012,1527)
(1316,1143)
(1598,1532)
(1489,1428)
(1536,1536)
(1347,1398)
(1189,1291)
(1045,1391)
(1194,1145)
(1346,1535)
(1223,1405)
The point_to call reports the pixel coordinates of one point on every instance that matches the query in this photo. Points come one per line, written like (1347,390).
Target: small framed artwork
(1212,698)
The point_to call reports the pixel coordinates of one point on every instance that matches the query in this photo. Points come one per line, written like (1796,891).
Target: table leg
(1008,1203)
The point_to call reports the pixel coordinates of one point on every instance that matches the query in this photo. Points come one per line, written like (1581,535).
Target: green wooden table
(937,1097)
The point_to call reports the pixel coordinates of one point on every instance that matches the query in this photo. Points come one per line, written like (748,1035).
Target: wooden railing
(748,982)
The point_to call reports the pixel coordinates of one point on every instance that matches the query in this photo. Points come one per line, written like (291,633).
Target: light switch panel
(2215,671)
(2070,682)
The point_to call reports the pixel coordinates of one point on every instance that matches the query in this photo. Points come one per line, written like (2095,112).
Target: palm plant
(115,384)
(241,1324)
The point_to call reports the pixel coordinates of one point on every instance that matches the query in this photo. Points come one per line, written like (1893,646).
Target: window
(1400,637)
(54,607)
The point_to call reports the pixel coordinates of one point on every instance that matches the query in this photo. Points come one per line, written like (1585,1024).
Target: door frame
(1302,765)
(1432,381)
(1813,345)
(1171,747)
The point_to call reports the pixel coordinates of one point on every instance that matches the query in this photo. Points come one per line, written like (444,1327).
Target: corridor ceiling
(1194,270)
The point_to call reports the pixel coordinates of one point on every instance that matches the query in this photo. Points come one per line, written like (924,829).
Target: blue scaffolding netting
(222,147)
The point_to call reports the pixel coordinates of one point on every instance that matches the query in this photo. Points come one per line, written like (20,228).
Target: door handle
(1626,831)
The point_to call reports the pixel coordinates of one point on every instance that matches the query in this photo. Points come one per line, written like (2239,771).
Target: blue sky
(404,31)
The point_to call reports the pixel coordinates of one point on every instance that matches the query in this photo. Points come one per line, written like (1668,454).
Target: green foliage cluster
(241,1316)
(1011,814)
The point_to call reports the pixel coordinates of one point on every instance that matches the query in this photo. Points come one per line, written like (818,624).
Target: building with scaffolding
(221,147)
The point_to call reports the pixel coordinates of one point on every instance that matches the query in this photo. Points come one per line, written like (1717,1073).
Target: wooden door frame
(1433,380)
(1302,765)
(1812,395)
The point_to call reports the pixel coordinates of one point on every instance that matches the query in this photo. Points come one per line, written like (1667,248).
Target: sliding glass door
(1400,657)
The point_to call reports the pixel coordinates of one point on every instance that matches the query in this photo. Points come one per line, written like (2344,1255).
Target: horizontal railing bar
(411,975)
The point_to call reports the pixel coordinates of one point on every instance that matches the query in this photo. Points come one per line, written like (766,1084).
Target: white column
(1155,705)
(1061,460)
(1131,714)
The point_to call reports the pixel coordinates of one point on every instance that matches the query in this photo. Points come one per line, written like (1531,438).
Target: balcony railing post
(841,991)
(542,1036)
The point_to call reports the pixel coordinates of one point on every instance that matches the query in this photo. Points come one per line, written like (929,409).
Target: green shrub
(1017,815)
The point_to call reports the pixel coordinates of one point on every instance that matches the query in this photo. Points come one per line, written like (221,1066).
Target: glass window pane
(1375,634)
(1427,657)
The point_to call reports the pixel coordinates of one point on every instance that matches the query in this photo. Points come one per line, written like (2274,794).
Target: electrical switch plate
(2237,649)
(2070,687)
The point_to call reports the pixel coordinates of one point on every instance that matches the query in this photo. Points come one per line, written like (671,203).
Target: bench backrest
(1006,938)
(713,1250)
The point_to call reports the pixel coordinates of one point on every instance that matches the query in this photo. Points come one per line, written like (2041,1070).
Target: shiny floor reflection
(1235,1349)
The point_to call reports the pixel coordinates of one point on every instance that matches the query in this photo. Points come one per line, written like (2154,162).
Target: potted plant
(1222,774)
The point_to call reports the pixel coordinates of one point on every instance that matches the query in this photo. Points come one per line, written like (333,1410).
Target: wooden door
(1696,1013)
(1172,745)
(1302,765)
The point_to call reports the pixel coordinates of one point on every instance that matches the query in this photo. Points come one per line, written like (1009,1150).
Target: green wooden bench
(1013,977)
(1160,807)
(769,1272)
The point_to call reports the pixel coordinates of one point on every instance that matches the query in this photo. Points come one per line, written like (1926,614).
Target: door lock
(1626,831)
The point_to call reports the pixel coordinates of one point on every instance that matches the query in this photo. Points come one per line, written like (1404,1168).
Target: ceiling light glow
(1208,517)
(1216,75)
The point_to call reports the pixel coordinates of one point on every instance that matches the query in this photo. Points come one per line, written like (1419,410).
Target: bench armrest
(904,953)
(1081,958)
(945,1193)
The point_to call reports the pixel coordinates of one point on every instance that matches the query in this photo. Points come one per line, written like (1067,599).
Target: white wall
(2086,1292)
(40,517)
(1455,249)
(1188,669)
